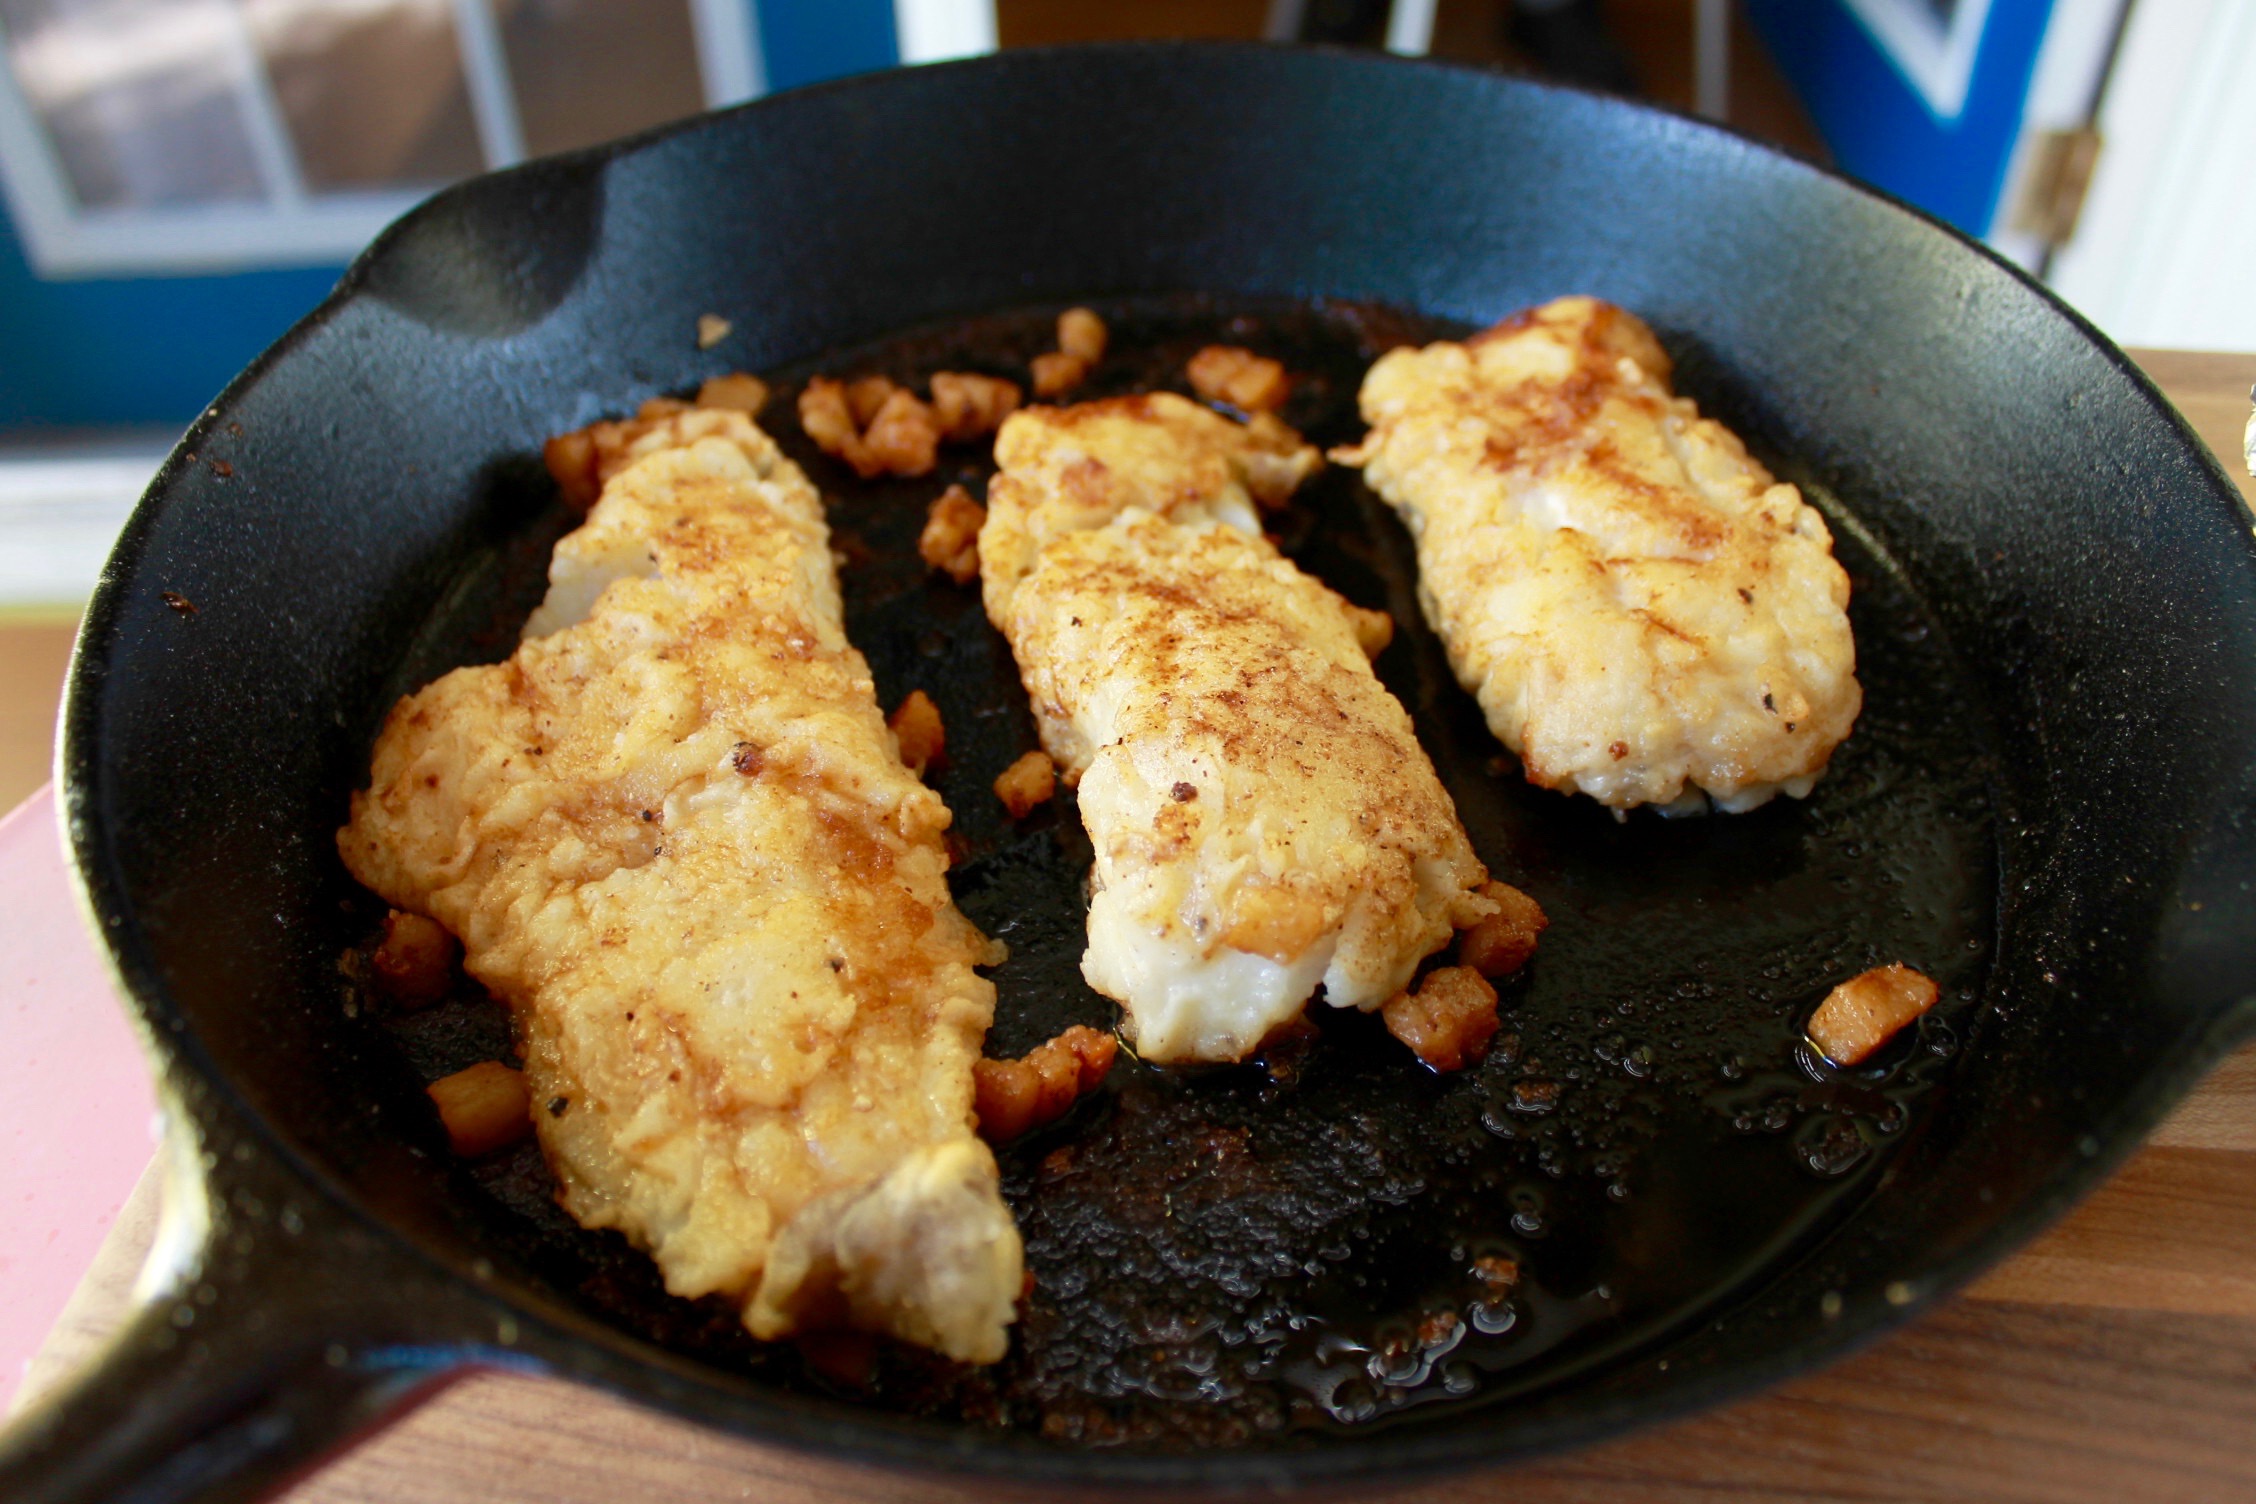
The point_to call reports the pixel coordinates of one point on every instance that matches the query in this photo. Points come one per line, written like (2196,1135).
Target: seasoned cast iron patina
(1225,1256)
(1243,1277)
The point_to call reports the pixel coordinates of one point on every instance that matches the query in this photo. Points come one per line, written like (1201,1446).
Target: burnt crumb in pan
(1258,1256)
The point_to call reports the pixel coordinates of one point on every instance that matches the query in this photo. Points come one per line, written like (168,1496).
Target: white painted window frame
(60,512)
(1409,28)
(1935,58)
(933,31)
(2071,64)
(2161,253)
(290,226)
(1410,25)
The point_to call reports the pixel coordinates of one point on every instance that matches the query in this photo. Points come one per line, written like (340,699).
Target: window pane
(371,90)
(588,70)
(137,98)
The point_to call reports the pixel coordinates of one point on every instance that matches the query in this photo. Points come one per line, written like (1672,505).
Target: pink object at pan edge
(76,1105)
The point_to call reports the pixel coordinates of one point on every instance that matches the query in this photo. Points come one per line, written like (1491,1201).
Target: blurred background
(182,179)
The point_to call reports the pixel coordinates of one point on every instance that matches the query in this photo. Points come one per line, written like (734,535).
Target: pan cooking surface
(1342,1238)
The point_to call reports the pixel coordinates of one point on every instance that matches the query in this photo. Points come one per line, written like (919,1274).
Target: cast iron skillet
(2058,591)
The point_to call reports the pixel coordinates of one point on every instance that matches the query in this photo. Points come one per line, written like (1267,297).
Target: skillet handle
(209,1419)
(273,1344)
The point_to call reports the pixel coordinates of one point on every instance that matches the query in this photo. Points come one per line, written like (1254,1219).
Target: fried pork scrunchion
(673,836)
(950,540)
(483,1108)
(881,428)
(1448,1021)
(1027,783)
(1081,337)
(1082,334)
(1264,819)
(415,963)
(1643,612)
(1868,1010)
(968,406)
(919,731)
(1041,1086)
(1502,943)
(1248,382)
(582,461)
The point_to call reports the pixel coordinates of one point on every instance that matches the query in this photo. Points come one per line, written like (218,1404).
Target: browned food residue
(1013,1096)
(746,394)
(584,459)
(1081,338)
(483,1108)
(969,406)
(1501,944)
(1082,335)
(950,541)
(1057,373)
(1026,783)
(1228,373)
(414,963)
(848,1358)
(1448,1021)
(924,741)
(1865,1012)
(879,427)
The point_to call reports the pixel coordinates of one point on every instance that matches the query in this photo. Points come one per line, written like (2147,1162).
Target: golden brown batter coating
(1263,817)
(1643,612)
(675,837)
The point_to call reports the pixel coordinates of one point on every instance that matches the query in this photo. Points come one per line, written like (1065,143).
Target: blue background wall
(155,350)
(1878,126)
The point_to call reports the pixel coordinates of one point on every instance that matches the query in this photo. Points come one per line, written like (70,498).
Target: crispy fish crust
(1642,612)
(674,835)
(1264,819)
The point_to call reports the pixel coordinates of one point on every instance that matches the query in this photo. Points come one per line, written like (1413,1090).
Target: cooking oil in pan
(1340,1238)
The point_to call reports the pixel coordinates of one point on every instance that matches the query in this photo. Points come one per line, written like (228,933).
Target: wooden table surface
(2114,1359)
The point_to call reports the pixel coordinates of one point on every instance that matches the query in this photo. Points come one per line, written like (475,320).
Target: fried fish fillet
(1642,611)
(1264,819)
(674,836)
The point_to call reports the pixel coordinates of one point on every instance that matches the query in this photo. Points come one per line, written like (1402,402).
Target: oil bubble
(1830,1146)
(1534,1096)
(1491,1318)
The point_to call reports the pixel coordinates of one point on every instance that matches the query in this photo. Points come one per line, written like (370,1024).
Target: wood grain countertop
(2113,1359)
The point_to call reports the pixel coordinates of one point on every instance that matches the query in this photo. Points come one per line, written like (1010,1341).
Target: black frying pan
(2048,804)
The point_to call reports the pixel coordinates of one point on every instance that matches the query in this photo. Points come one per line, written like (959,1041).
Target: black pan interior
(1276,1253)
(2046,804)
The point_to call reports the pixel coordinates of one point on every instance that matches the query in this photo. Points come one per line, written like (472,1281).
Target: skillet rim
(592,1350)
